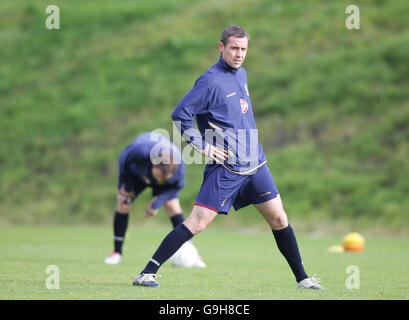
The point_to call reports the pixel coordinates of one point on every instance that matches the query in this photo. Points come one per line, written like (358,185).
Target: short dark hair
(233,31)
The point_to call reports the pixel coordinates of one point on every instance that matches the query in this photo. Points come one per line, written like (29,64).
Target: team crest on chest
(244,105)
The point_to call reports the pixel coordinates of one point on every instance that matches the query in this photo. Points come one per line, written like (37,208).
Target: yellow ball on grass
(354,242)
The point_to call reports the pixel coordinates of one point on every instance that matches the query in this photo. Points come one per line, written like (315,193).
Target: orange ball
(353,242)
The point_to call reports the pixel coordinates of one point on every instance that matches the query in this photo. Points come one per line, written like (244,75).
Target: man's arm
(149,211)
(163,197)
(193,103)
(153,206)
(196,101)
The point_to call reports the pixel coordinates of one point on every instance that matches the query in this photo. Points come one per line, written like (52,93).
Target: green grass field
(242,265)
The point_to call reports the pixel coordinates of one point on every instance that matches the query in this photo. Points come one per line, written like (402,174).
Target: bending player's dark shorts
(222,189)
(163,193)
(138,186)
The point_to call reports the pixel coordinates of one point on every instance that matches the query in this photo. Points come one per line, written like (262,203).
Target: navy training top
(220,101)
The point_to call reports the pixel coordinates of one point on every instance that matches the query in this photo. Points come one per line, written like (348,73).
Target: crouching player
(152,161)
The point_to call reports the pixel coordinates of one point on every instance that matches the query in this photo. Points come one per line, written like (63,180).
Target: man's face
(234,52)
(159,176)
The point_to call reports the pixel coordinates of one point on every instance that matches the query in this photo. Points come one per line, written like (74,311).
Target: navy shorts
(138,186)
(222,189)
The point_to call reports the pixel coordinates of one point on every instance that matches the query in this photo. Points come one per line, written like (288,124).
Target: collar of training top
(226,66)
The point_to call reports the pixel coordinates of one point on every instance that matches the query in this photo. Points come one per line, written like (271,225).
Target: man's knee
(123,203)
(199,219)
(279,221)
(276,219)
(198,227)
(123,208)
(172,207)
(274,214)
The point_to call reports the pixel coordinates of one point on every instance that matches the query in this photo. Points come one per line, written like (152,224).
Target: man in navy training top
(150,161)
(237,174)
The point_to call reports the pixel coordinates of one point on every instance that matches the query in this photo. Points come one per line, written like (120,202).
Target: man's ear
(221,46)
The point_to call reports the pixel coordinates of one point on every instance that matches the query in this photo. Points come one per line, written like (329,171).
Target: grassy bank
(332,104)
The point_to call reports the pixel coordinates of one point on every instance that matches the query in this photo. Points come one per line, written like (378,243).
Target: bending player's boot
(113,258)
